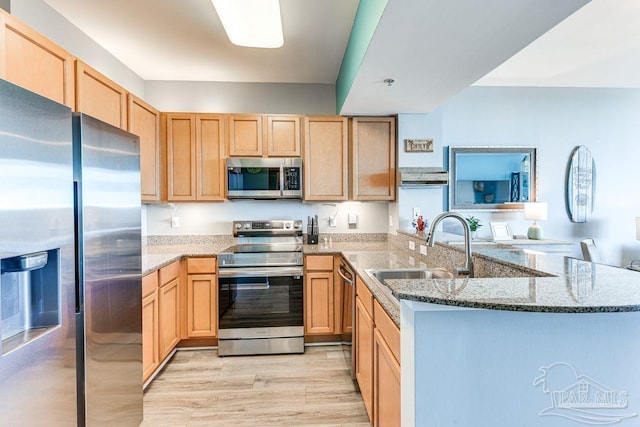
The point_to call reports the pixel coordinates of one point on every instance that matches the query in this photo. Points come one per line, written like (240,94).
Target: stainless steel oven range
(260,289)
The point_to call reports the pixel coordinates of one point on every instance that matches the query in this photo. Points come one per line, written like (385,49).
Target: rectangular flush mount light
(251,23)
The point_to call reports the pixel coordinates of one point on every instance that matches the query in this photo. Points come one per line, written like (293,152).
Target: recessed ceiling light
(251,23)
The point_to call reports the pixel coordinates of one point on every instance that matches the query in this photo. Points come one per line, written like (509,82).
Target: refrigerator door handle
(77,242)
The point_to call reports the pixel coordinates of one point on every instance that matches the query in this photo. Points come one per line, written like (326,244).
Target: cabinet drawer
(169,272)
(365,296)
(320,262)
(149,283)
(201,265)
(388,329)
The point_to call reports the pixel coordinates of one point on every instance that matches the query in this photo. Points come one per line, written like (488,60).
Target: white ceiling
(184,39)
(597,46)
(433,49)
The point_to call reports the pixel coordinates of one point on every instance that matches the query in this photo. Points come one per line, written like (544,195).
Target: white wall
(40,16)
(555,120)
(218,97)
(216,218)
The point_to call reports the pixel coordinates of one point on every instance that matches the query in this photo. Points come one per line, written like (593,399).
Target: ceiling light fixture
(251,23)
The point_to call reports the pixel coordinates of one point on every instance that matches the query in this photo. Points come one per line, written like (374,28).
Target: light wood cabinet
(246,135)
(180,135)
(325,158)
(386,370)
(386,392)
(169,308)
(168,319)
(30,60)
(373,158)
(363,352)
(319,314)
(283,136)
(320,296)
(150,345)
(100,97)
(195,147)
(377,354)
(210,170)
(144,121)
(202,298)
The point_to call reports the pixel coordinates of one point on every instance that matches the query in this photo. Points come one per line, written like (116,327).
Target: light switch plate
(423,249)
(412,245)
(175,222)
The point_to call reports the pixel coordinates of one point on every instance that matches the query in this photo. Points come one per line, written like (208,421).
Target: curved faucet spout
(468,268)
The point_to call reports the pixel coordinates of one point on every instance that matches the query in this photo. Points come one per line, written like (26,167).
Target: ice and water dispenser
(30,297)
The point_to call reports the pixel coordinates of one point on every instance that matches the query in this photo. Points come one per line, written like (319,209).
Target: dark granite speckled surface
(507,278)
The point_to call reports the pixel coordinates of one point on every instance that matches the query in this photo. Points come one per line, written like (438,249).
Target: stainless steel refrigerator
(70,271)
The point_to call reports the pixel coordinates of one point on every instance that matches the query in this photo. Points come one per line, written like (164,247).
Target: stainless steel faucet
(468,268)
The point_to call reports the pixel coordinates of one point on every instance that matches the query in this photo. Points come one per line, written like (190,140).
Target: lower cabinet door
(168,317)
(364,355)
(319,295)
(202,305)
(150,359)
(386,380)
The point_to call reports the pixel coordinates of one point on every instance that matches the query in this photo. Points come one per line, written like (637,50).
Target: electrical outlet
(332,222)
(412,245)
(415,213)
(423,249)
(175,222)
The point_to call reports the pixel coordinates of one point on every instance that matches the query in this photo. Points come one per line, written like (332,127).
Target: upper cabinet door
(30,60)
(325,158)
(373,157)
(210,134)
(181,157)
(245,135)
(144,121)
(283,136)
(100,97)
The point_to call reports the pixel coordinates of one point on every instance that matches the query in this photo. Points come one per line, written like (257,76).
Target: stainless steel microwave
(264,178)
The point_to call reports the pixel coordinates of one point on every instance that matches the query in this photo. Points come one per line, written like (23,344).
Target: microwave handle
(281,179)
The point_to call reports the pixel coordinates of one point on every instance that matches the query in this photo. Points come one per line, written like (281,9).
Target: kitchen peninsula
(509,344)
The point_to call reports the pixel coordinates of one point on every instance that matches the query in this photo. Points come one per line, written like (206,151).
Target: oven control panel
(266,228)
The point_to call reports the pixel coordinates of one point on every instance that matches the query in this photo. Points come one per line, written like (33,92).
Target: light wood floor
(198,388)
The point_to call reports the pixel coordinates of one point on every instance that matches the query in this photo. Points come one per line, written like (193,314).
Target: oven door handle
(260,272)
(346,270)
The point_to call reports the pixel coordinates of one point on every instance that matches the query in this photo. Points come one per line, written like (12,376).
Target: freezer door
(107,172)
(38,348)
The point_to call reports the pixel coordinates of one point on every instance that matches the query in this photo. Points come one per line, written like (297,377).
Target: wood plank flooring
(198,388)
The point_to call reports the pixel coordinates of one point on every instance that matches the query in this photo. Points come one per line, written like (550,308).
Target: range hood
(422,177)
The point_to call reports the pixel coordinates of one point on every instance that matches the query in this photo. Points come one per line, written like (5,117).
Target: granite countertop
(571,285)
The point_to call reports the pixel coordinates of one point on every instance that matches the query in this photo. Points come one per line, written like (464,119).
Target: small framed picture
(500,231)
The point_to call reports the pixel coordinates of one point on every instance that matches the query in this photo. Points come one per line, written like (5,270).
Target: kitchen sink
(380,276)
(411,273)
